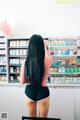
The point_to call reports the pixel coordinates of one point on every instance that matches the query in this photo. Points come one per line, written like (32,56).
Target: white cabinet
(65,67)
(62,103)
(77,103)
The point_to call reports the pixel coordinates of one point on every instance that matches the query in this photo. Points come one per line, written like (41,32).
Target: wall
(46,17)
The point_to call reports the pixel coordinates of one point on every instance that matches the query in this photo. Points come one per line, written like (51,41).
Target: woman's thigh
(43,107)
(31,107)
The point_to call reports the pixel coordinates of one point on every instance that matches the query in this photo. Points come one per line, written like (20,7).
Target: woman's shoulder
(47,61)
(48,58)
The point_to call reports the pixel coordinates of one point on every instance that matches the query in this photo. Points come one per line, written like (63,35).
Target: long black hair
(34,64)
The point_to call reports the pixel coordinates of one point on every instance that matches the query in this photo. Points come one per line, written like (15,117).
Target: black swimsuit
(37,92)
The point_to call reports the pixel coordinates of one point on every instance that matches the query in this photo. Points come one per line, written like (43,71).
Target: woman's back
(47,63)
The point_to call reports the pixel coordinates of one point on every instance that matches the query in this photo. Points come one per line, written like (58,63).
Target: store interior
(58,22)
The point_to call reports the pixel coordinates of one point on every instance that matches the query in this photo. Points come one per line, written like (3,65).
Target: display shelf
(66,60)
(66,57)
(63,49)
(16,54)
(3,69)
(17,51)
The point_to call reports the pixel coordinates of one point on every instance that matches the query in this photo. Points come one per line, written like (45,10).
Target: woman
(35,72)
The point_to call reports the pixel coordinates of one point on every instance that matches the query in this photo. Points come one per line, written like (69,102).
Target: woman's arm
(22,74)
(47,51)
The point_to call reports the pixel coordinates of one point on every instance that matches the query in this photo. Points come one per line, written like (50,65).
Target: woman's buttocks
(37,92)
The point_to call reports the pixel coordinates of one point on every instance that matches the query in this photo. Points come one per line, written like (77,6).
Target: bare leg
(43,107)
(31,105)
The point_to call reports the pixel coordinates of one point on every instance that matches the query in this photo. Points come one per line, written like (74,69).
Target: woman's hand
(46,43)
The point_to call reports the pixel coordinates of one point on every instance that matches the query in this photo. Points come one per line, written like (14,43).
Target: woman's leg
(43,107)
(31,106)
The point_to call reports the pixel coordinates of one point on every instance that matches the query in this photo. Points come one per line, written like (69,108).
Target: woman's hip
(37,92)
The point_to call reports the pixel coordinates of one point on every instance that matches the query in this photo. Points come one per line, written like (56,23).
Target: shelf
(64,85)
(17,56)
(65,46)
(1,73)
(65,65)
(14,81)
(16,65)
(2,42)
(2,48)
(2,54)
(17,50)
(14,73)
(50,85)
(2,64)
(18,39)
(18,47)
(67,56)
(65,73)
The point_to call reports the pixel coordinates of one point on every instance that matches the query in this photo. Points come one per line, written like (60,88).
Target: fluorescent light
(67,1)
